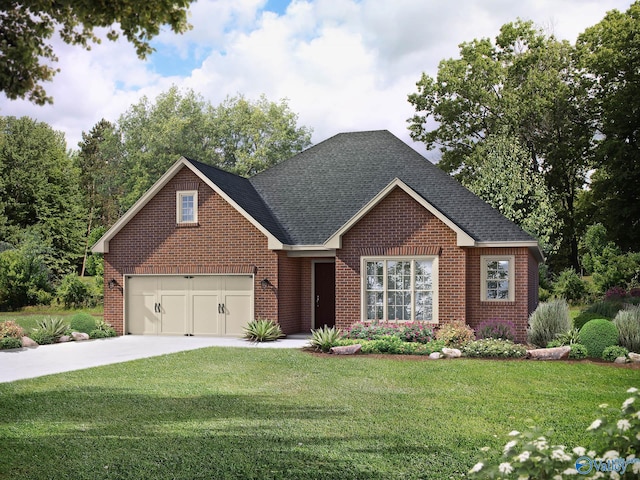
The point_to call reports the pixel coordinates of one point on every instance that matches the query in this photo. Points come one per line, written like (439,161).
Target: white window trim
(484,260)
(363,286)
(179,195)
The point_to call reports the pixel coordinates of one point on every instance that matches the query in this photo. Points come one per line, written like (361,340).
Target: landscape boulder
(556,353)
(28,342)
(346,350)
(78,336)
(435,355)
(634,357)
(451,352)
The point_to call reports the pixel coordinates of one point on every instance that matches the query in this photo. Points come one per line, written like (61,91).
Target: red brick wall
(223,242)
(516,311)
(398,225)
(289,293)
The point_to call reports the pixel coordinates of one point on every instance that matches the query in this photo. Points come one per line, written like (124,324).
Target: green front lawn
(259,413)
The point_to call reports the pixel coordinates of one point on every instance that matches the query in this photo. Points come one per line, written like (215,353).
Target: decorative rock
(64,339)
(27,342)
(556,353)
(620,360)
(346,350)
(78,336)
(451,352)
(634,357)
(435,355)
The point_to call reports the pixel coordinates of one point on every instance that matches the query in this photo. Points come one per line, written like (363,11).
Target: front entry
(324,295)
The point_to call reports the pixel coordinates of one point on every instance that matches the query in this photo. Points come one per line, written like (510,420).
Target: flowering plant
(616,441)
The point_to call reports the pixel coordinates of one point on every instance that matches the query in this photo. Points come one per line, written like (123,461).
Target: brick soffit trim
(391,251)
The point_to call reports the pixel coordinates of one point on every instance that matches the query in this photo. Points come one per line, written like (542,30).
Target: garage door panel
(142,318)
(237,313)
(173,314)
(205,314)
(211,284)
(238,283)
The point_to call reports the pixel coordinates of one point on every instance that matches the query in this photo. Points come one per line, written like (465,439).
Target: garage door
(188,305)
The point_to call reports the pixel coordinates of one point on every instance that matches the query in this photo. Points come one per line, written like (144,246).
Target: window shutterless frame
(187,207)
(399,289)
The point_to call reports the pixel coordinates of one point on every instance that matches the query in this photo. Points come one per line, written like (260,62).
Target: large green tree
(39,194)
(610,52)
(239,135)
(26,27)
(526,84)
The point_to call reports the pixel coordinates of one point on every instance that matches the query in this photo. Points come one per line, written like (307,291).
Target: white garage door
(188,305)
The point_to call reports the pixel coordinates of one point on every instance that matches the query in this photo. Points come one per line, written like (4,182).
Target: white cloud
(344,65)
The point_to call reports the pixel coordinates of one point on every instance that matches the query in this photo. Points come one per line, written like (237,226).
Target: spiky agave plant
(324,338)
(261,330)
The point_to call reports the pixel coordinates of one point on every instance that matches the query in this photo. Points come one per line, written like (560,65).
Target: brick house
(358,227)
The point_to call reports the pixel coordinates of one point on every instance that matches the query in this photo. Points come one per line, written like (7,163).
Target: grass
(29,317)
(247,413)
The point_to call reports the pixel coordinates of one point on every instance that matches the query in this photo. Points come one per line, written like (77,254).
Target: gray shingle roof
(306,199)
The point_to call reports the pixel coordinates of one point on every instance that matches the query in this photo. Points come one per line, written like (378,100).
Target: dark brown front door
(325,294)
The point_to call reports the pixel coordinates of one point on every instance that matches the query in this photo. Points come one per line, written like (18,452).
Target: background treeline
(55,203)
(544,130)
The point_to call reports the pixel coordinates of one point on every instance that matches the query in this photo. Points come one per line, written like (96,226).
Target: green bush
(324,338)
(82,322)
(584,317)
(7,343)
(102,330)
(372,330)
(547,321)
(384,345)
(567,338)
(493,347)
(570,286)
(418,332)
(24,279)
(614,351)
(41,337)
(578,351)
(597,335)
(605,309)
(48,330)
(455,334)
(261,330)
(628,323)
(496,328)
(9,328)
(73,292)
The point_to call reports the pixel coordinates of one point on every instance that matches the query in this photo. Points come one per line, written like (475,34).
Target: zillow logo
(585,465)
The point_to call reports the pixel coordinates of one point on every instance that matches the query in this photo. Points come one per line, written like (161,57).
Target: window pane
(424,306)
(423,275)
(497,280)
(375,276)
(187,210)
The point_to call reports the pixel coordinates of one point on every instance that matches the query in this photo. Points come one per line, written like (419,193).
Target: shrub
(614,351)
(584,317)
(7,343)
(417,332)
(373,330)
(547,321)
(628,323)
(41,337)
(615,293)
(605,309)
(578,351)
(11,329)
(48,330)
(262,330)
(456,334)
(529,454)
(569,286)
(102,330)
(24,278)
(493,347)
(324,338)
(82,322)
(597,335)
(496,328)
(73,292)
(567,338)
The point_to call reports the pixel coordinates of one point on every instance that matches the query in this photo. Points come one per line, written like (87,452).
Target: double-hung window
(497,278)
(187,207)
(400,289)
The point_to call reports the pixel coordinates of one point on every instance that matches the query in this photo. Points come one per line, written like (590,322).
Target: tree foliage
(39,192)
(610,52)
(526,84)
(26,26)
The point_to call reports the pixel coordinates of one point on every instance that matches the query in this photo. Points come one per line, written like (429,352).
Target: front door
(325,295)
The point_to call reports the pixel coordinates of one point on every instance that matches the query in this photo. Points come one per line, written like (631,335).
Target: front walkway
(64,357)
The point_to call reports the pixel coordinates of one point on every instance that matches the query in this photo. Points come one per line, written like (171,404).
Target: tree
(506,182)
(527,84)
(27,25)
(610,51)
(239,135)
(39,192)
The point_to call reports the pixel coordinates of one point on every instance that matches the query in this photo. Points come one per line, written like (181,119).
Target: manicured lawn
(245,413)
(29,317)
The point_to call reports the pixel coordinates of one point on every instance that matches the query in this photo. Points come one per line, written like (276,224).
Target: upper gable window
(187,207)
(497,278)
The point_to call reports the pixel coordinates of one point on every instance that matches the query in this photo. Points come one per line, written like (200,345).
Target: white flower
(638,435)
(540,443)
(614,475)
(510,445)
(559,455)
(595,424)
(505,468)
(579,451)
(523,457)
(591,454)
(514,433)
(632,390)
(557,477)
(477,467)
(603,405)
(523,477)
(635,468)
(637,414)
(610,455)
(628,402)
(623,425)
(570,471)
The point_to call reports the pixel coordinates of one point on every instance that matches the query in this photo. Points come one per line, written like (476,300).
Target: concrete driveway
(64,357)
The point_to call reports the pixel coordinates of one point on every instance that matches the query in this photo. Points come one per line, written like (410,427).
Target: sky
(343,65)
